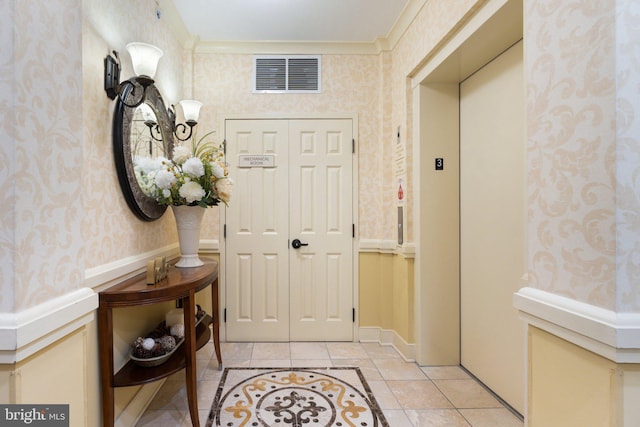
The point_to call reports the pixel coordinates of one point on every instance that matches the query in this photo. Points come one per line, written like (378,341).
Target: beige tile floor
(409,395)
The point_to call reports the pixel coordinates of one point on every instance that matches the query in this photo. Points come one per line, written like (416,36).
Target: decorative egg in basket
(159,344)
(156,348)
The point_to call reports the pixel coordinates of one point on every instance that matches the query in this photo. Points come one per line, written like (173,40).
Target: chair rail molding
(108,274)
(386,247)
(24,333)
(615,336)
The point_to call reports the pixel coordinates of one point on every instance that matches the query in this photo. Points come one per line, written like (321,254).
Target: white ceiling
(289,20)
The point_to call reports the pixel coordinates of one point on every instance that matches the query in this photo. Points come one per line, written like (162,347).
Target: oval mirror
(141,135)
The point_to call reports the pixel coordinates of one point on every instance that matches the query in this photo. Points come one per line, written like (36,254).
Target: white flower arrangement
(194,176)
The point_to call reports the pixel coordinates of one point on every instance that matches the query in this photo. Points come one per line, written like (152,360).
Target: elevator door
(492,224)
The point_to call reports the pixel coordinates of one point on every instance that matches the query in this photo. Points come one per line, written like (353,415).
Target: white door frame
(495,26)
(355,175)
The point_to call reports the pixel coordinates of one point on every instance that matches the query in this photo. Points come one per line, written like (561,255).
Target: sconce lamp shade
(191,109)
(147,112)
(144,58)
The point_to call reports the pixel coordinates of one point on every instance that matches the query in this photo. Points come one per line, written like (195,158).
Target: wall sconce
(191,111)
(144,58)
(149,119)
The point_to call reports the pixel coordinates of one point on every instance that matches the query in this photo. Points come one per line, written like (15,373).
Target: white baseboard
(388,337)
(615,336)
(132,413)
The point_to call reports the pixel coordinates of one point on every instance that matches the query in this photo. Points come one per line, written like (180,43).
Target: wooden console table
(182,283)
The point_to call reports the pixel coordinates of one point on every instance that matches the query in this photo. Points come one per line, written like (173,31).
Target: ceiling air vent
(287,74)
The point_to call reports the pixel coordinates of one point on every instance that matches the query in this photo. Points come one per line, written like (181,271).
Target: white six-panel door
(257,229)
(320,191)
(275,292)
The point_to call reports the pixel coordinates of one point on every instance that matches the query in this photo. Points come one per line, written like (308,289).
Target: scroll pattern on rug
(295,397)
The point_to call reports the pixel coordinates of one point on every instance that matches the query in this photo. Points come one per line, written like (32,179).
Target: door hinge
(354,314)
(353,145)
(353,231)
(224,231)
(225,315)
(224,147)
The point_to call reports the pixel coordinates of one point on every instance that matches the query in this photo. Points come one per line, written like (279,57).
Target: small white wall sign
(256,161)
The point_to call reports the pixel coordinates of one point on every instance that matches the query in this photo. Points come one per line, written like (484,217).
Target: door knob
(296,244)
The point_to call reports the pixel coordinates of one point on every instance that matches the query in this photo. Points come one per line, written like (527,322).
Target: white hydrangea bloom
(191,192)
(181,154)
(217,170)
(147,164)
(165,179)
(193,167)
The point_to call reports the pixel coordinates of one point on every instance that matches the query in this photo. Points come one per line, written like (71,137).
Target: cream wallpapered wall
(374,86)
(435,22)
(582,92)
(581,60)
(41,246)
(387,130)
(110,230)
(223,82)
(62,209)
(581,64)
(628,155)
(7,158)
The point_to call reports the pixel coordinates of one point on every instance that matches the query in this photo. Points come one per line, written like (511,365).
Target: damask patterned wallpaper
(583,94)
(41,248)
(627,155)
(62,210)
(223,82)
(581,62)
(582,101)
(8,118)
(111,230)
(435,22)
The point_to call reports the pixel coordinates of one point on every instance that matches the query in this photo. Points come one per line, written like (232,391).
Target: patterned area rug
(294,397)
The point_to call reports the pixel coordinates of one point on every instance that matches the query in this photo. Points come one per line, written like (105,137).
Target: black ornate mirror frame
(145,207)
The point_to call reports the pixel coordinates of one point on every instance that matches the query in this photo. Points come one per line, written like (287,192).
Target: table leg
(190,356)
(105,339)
(216,321)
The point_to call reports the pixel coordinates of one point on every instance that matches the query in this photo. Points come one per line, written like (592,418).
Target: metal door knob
(296,244)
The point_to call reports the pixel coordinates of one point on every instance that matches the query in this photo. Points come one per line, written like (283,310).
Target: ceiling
(289,20)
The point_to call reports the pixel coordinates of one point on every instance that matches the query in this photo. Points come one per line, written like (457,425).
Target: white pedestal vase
(188,220)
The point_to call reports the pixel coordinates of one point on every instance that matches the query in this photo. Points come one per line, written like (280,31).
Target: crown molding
(406,18)
(288,48)
(275,47)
